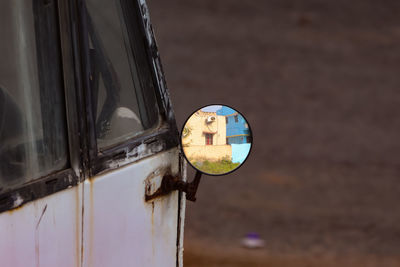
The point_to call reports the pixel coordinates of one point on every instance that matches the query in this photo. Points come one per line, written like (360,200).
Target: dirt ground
(318,82)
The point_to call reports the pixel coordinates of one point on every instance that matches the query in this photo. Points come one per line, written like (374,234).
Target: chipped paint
(18,200)
(154,179)
(135,154)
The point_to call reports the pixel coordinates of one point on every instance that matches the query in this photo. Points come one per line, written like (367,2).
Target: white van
(86,129)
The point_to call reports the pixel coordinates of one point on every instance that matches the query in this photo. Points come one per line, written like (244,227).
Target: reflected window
(209,139)
(33,139)
(124,105)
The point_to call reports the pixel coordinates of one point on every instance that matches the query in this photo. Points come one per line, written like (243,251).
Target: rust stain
(37,250)
(152,227)
(11,211)
(91,225)
(37,243)
(82,222)
(168,183)
(77,224)
(152,216)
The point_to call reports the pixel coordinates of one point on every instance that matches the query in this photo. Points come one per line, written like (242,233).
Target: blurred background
(318,81)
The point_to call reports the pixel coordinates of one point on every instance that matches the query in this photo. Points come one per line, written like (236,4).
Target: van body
(86,128)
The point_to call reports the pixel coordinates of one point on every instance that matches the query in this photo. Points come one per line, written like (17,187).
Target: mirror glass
(216,139)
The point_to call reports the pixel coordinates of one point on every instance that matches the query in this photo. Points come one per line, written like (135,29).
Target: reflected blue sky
(212,108)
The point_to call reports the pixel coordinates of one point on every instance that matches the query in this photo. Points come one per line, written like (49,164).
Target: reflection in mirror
(216,139)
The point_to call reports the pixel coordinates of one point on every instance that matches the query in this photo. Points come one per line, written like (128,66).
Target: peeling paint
(137,153)
(18,200)
(154,179)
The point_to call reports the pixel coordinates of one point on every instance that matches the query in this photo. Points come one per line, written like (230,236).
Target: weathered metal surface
(116,226)
(181,218)
(155,59)
(137,149)
(37,189)
(46,232)
(160,186)
(120,228)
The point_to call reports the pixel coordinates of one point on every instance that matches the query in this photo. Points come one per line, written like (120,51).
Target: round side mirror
(216,139)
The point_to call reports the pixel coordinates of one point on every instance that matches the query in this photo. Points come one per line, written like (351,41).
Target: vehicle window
(33,140)
(120,106)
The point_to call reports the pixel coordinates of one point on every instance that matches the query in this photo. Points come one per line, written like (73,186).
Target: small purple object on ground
(253,240)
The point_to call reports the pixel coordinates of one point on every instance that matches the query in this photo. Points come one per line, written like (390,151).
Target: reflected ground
(318,81)
(219,167)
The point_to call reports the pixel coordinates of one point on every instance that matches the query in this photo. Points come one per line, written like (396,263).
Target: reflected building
(237,129)
(204,137)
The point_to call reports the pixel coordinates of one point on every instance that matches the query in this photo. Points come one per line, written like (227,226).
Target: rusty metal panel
(120,228)
(46,232)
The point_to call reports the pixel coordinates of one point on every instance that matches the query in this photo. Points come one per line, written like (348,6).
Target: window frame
(70,176)
(209,139)
(84,159)
(165,136)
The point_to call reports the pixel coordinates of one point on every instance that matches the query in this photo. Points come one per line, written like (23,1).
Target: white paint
(120,228)
(36,235)
(182,216)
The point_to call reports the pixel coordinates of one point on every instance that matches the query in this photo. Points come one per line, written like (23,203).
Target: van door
(133,141)
(40,194)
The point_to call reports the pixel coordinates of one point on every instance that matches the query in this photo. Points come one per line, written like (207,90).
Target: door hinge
(171,183)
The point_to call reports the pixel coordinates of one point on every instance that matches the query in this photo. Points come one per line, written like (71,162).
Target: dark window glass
(227,141)
(124,105)
(33,140)
(226,120)
(236,118)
